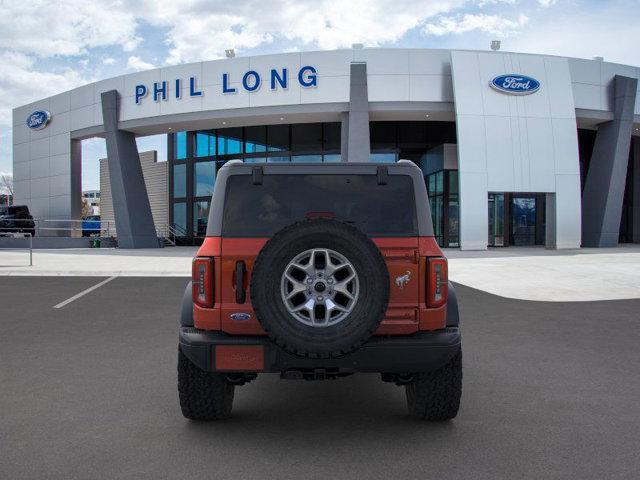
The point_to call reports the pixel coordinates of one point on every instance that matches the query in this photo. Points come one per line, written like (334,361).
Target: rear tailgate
(405,280)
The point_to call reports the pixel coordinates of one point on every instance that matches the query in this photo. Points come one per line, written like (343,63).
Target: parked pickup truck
(17,219)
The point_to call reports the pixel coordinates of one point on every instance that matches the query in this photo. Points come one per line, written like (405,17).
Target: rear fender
(186,314)
(453,316)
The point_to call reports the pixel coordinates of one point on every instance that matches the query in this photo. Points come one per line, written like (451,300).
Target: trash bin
(95,243)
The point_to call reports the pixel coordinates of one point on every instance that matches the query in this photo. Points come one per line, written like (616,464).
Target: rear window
(262,210)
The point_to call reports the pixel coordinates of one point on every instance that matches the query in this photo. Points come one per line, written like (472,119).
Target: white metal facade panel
(514,143)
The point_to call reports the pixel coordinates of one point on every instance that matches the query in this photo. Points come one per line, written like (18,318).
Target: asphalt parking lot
(550,390)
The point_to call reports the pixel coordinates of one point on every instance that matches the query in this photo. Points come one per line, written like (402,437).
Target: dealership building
(516,149)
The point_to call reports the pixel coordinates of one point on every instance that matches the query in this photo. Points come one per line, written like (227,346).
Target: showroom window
(255,139)
(180,180)
(442,187)
(196,156)
(278,138)
(180,145)
(200,217)
(205,145)
(306,137)
(180,216)
(229,141)
(204,177)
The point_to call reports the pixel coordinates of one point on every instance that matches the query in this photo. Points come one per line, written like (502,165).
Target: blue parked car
(91,225)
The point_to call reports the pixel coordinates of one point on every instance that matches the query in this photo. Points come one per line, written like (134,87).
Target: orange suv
(318,271)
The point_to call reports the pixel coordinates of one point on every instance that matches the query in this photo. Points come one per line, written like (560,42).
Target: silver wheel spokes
(319,287)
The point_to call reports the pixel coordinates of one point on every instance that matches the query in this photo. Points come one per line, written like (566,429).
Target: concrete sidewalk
(520,273)
(550,275)
(154,262)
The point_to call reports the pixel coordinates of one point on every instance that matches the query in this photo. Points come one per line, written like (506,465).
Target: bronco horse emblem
(402,280)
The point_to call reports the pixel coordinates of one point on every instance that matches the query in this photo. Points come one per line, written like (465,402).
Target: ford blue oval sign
(38,119)
(515,84)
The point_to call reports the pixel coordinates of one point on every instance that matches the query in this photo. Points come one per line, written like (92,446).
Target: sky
(48,47)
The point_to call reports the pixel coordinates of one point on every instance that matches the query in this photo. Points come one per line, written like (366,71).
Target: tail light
(437,282)
(202,281)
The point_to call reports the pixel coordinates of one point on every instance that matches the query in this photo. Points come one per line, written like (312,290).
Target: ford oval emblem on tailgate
(240,316)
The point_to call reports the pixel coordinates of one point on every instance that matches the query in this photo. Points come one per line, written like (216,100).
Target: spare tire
(320,288)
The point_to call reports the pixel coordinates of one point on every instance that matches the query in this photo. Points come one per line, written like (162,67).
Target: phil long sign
(250,81)
(515,84)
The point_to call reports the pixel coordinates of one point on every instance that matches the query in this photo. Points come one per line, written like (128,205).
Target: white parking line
(84,292)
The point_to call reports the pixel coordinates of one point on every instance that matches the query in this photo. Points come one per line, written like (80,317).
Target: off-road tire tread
(435,396)
(203,395)
(282,342)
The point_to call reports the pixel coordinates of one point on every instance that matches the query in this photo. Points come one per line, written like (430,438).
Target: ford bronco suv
(318,271)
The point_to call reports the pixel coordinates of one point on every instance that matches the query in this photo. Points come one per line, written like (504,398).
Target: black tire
(203,395)
(435,396)
(330,341)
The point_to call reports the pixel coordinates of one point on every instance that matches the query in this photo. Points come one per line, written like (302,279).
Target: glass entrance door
(523,220)
(496,220)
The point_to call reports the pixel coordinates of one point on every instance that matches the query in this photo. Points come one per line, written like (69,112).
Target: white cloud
(108,61)
(71,27)
(547,3)
(484,3)
(21,83)
(214,26)
(491,24)
(135,63)
(587,37)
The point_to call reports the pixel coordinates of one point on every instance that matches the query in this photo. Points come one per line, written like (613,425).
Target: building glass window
(496,220)
(306,137)
(436,202)
(331,136)
(180,180)
(453,209)
(192,180)
(383,135)
(442,187)
(204,177)
(180,216)
(453,182)
(383,157)
(205,144)
(278,138)
(412,135)
(306,158)
(439,182)
(255,139)
(200,218)
(278,159)
(180,146)
(230,141)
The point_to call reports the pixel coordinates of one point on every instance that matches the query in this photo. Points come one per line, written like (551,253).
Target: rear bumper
(421,352)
